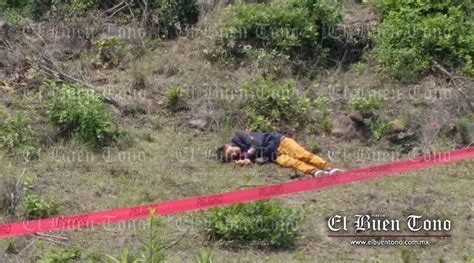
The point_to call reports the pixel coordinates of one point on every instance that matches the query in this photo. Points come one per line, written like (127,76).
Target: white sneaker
(320,173)
(334,171)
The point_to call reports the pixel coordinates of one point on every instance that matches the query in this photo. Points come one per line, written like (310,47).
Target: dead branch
(68,78)
(452,80)
(52,240)
(52,236)
(47,65)
(113,9)
(15,196)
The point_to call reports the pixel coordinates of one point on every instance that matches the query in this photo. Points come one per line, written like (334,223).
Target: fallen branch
(452,80)
(47,65)
(68,78)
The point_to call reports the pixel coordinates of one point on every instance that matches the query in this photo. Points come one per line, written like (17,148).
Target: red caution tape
(251,194)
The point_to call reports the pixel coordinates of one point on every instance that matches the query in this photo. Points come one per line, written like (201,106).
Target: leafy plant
(413,34)
(268,102)
(153,249)
(12,16)
(80,111)
(366,104)
(59,255)
(300,29)
(358,68)
(29,152)
(462,125)
(380,127)
(24,8)
(14,131)
(110,51)
(205,256)
(170,16)
(11,248)
(39,208)
(261,223)
(174,96)
(16,135)
(323,120)
(314,147)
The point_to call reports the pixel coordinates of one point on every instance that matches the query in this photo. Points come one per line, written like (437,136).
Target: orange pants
(292,155)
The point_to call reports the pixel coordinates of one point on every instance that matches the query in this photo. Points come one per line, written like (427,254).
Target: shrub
(380,127)
(358,68)
(165,18)
(271,103)
(366,105)
(323,120)
(26,7)
(414,33)
(14,131)
(39,208)
(110,51)
(29,152)
(12,16)
(170,16)
(174,96)
(16,135)
(298,28)
(258,223)
(462,125)
(80,111)
(314,146)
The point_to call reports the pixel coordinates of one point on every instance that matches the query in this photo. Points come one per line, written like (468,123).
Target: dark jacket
(265,143)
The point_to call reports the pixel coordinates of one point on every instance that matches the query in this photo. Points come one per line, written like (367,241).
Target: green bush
(172,15)
(12,16)
(380,127)
(323,120)
(36,207)
(367,104)
(14,131)
(413,34)
(165,18)
(16,135)
(110,51)
(367,107)
(268,103)
(34,8)
(81,111)
(462,125)
(300,29)
(314,146)
(174,96)
(261,223)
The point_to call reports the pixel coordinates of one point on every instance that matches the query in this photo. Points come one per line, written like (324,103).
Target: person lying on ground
(246,148)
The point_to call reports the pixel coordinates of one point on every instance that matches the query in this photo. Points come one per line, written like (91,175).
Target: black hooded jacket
(265,143)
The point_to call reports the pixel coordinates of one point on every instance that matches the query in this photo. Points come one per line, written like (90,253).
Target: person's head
(228,153)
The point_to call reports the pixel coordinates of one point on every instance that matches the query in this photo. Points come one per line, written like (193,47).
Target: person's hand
(240,162)
(247,162)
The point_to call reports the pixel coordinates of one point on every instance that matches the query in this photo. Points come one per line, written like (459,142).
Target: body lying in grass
(246,148)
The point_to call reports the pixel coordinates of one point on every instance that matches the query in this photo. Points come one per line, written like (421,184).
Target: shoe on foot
(320,173)
(334,171)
